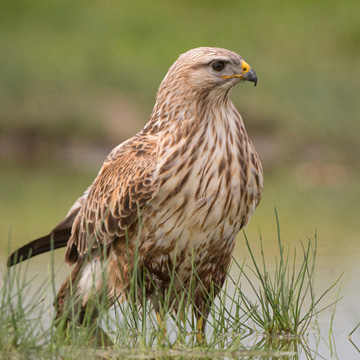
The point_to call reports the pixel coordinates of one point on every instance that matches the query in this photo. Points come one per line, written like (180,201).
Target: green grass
(284,305)
(354,329)
(20,330)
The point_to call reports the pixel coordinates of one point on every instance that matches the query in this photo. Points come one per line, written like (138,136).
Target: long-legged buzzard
(181,189)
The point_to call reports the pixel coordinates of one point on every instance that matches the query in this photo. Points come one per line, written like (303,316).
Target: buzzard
(180,189)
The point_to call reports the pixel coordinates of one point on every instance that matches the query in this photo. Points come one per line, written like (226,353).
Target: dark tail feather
(58,238)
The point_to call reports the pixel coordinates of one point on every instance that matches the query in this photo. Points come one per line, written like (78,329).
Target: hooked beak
(250,76)
(248,73)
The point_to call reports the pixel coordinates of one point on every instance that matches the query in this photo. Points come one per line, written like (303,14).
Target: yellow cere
(245,67)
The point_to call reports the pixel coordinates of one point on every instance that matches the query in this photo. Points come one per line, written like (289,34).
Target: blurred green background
(79,77)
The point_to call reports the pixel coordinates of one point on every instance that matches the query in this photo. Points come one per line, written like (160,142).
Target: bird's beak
(248,73)
(250,76)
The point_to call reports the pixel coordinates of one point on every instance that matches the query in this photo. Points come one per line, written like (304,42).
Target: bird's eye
(218,65)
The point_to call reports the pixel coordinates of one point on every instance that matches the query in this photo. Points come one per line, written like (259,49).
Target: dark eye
(218,65)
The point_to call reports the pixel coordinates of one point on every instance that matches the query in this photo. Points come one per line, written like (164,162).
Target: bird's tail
(54,240)
(57,238)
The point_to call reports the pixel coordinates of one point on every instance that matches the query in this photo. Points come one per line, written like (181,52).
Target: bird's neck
(189,112)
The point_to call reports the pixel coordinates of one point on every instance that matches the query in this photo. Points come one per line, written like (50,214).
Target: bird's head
(207,69)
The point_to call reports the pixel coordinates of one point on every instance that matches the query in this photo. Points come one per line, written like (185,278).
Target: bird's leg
(201,313)
(161,322)
(201,317)
(200,330)
(157,302)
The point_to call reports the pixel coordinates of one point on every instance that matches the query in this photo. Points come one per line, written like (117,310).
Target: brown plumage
(191,175)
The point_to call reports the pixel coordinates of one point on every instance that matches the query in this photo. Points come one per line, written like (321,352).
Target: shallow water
(28,196)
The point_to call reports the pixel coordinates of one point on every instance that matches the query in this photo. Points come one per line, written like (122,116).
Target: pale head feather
(192,86)
(192,71)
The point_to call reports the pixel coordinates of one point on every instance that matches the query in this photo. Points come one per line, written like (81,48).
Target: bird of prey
(180,189)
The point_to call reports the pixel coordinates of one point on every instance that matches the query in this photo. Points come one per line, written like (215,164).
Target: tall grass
(283,304)
(20,310)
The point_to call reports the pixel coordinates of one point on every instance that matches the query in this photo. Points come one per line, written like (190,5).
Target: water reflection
(355,346)
(287,348)
(259,348)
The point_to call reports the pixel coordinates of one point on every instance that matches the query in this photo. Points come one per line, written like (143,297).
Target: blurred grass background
(78,77)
